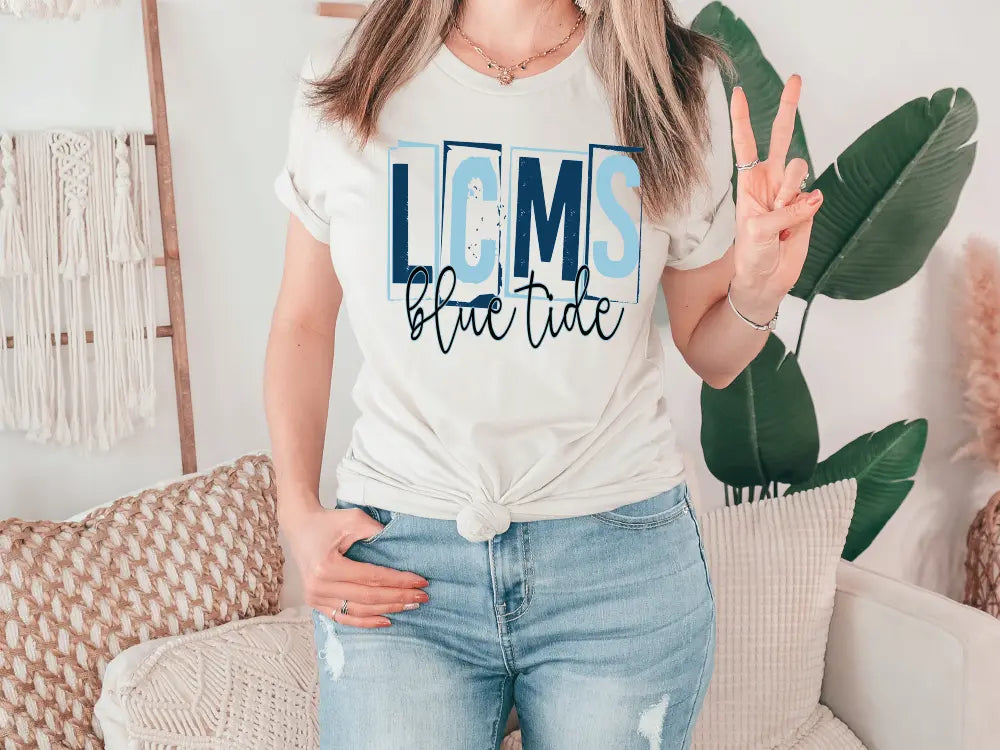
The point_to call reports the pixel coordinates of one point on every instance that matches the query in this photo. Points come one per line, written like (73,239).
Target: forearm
(722,345)
(298,372)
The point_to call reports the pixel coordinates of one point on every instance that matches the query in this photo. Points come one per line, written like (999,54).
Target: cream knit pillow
(73,594)
(248,684)
(773,567)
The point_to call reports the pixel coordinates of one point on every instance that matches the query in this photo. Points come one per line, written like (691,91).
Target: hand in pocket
(319,539)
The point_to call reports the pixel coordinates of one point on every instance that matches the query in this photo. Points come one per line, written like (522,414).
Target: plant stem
(802,328)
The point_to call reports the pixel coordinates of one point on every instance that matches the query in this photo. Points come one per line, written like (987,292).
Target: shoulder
(716,98)
(309,127)
(321,59)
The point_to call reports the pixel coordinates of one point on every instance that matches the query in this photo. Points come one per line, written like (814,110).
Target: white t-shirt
(533,388)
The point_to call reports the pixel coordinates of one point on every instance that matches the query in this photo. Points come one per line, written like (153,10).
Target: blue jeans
(599,628)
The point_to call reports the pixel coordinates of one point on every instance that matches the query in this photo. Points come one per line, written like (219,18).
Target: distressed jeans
(600,629)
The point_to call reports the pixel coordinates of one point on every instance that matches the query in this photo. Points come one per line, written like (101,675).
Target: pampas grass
(979,333)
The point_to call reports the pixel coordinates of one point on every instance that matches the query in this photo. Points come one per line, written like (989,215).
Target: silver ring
(750,165)
(343,608)
(805,181)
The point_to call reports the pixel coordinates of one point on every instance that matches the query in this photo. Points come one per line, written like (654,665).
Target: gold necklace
(505,73)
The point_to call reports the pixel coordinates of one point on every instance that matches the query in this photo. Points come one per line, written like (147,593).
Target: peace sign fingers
(784,124)
(743,141)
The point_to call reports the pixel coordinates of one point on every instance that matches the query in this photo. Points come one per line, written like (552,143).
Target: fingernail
(384,622)
(420,596)
(815,197)
(412,605)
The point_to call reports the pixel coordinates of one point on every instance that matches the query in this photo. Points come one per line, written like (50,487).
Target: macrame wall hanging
(74,259)
(51,8)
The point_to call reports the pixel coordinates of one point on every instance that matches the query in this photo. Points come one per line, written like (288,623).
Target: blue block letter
(617,215)
(565,211)
(471,168)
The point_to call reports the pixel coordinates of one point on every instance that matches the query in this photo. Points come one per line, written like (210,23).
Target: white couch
(906,669)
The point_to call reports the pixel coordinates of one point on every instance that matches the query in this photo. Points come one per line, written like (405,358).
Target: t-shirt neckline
(455,67)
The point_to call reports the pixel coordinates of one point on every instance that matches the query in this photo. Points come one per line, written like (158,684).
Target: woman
(494,189)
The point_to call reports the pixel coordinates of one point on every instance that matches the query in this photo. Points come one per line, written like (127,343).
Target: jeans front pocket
(653,511)
(387,518)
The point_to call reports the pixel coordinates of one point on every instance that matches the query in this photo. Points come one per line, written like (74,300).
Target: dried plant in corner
(979,335)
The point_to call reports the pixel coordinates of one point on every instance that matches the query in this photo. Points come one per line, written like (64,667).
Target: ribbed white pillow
(773,567)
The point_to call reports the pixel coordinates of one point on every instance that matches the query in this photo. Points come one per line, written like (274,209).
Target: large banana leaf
(888,198)
(755,74)
(883,463)
(762,427)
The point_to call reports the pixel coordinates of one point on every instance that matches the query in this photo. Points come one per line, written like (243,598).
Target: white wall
(229,70)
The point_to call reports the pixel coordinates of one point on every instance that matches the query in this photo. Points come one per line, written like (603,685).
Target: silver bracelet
(768,326)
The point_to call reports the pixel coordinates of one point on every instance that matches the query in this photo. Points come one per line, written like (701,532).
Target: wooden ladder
(176,331)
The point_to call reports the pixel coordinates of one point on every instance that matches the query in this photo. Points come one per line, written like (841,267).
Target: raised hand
(773,217)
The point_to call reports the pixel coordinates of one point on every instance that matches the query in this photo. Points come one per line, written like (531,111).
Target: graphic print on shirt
(459,260)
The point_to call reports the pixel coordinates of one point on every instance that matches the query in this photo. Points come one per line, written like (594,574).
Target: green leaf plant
(887,199)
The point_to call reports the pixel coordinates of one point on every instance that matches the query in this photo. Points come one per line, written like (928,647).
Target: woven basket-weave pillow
(186,556)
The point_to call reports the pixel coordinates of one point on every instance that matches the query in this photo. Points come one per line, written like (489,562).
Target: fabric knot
(480,521)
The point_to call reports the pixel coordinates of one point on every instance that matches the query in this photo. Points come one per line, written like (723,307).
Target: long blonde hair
(651,65)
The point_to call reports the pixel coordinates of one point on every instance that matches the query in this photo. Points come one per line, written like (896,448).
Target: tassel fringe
(52,9)
(74,236)
(13,248)
(126,246)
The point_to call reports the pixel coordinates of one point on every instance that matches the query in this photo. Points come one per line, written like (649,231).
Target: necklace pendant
(504,76)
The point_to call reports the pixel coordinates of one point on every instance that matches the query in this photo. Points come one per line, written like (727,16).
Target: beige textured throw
(187,556)
(773,566)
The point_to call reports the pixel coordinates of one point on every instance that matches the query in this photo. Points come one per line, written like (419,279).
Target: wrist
(293,506)
(753,300)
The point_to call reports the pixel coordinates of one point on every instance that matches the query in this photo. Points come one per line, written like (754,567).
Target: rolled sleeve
(297,201)
(707,231)
(301,185)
